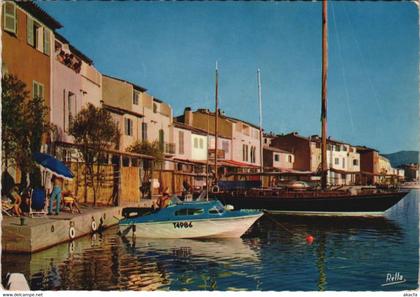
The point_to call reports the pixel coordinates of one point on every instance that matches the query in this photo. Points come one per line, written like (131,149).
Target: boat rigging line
(340,52)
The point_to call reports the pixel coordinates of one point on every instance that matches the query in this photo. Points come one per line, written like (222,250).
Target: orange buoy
(309,239)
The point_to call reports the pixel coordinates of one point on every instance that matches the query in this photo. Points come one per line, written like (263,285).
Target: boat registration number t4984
(183,225)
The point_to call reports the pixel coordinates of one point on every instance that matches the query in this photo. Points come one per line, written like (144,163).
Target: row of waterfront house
(67,80)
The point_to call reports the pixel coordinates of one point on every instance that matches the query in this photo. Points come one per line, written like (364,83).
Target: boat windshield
(203,196)
(189,212)
(216,210)
(175,200)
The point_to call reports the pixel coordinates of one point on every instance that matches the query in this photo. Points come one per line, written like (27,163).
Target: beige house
(388,174)
(342,158)
(156,125)
(121,98)
(245,142)
(277,159)
(238,141)
(384,165)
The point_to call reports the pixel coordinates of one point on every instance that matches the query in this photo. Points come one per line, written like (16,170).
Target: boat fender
(72,232)
(215,189)
(229,207)
(71,247)
(93,225)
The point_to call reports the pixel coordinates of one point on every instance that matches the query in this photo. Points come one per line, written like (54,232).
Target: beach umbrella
(52,165)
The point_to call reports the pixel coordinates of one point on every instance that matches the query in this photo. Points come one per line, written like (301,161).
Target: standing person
(55,195)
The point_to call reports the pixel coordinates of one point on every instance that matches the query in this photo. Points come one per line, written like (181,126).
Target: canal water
(347,254)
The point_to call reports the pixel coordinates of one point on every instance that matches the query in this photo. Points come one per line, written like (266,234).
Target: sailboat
(362,202)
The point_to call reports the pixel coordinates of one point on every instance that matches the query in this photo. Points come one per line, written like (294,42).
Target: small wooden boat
(195,219)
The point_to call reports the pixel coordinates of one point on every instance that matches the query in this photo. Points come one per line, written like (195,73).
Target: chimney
(188,116)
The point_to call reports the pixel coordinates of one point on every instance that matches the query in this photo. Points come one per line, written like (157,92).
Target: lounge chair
(38,203)
(6,207)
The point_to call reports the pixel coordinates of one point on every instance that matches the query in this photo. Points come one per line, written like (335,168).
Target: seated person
(162,202)
(26,201)
(69,200)
(17,200)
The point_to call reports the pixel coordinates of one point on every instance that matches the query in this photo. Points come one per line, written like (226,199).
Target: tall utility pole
(324,165)
(261,129)
(216,125)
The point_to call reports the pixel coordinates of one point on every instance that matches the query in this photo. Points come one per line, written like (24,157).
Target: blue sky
(171,49)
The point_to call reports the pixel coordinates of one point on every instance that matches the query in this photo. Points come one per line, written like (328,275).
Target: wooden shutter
(161,140)
(10,23)
(30,30)
(34,90)
(181,142)
(144,131)
(41,91)
(46,41)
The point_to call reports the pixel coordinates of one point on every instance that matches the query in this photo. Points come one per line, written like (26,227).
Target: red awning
(236,164)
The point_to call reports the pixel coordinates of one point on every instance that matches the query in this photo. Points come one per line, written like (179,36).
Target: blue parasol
(53,165)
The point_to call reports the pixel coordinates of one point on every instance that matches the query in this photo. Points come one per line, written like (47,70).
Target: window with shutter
(128,123)
(144,131)
(225,146)
(10,22)
(30,31)
(37,90)
(136,98)
(36,36)
(181,142)
(70,103)
(46,41)
(161,140)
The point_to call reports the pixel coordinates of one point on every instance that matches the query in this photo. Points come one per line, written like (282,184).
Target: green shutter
(9,13)
(30,30)
(41,91)
(34,89)
(46,41)
(37,90)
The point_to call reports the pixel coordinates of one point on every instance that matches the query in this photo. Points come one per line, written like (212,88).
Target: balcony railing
(220,154)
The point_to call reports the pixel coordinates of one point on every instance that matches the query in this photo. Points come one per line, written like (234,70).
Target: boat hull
(357,205)
(205,228)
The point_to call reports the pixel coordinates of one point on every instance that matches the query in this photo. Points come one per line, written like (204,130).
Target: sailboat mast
(324,96)
(216,124)
(260,107)
(207,161)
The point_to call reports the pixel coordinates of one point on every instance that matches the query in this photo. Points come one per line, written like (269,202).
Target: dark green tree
(24,123)
(14,94)
(147,148)
(95,131)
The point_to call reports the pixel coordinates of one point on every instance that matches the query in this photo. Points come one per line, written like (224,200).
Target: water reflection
(343,250)
(347,254)
(198,264)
